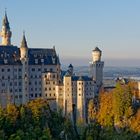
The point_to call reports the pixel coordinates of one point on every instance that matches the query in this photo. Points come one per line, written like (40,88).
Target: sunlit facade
(30,73)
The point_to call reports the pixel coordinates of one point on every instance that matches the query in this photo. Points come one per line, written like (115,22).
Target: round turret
(96,54)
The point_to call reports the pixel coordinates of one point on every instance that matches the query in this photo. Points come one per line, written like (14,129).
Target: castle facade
(30,73)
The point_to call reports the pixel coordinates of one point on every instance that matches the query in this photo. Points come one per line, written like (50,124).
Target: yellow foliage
(135,122)
(105,114)
(12,112)
(36,106)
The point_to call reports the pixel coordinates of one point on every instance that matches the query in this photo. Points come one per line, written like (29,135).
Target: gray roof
(81,78)
(45,56)
(12,55)
(9,55)
(97,49)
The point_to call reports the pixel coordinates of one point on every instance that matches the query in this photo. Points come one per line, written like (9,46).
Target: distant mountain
(110,72)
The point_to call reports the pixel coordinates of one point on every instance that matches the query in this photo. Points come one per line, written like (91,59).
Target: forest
(112,116)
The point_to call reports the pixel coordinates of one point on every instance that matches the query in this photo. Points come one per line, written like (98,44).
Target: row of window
(49,88)
(48,82)
(12,84)
(39,69)
(8,70)
(35,95)
(8,77)
(50,95)
(35,89)
(35,82)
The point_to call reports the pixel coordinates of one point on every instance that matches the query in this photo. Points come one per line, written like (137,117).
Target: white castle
(30,73)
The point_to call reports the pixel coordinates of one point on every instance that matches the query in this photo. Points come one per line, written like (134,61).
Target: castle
(28,73)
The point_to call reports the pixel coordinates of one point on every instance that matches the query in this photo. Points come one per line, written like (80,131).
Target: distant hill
(110,72)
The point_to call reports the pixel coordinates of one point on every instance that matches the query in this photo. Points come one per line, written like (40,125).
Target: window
(36,95)
(31,95)
(2,77)
(33,69)
(19,69)
(2,70)
(8,70)
(3,84)
(45,89)
(20,96)
(19,83)
(20,90)
(39,69)
(19,77)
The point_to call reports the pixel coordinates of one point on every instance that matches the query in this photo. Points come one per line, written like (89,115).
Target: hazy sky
(75,27)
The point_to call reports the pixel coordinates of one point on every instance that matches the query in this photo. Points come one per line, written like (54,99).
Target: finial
(5,11)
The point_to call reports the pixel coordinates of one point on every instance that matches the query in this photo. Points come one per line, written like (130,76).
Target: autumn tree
(122,104)
(105,114)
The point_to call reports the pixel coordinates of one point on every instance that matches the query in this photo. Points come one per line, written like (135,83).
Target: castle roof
(81,78)
(5,21)
(97,49)
(70,66)
(24,42)
(10,55)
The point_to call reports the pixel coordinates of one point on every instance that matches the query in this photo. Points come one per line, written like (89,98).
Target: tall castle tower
(25,74)
(97,66)
(5,32)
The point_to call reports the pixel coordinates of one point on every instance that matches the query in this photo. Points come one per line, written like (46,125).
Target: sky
(76,27)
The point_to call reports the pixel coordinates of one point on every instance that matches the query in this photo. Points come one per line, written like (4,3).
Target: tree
(105,114)
(122,104)
(92,110)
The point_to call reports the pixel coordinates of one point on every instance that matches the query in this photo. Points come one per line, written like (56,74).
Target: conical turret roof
(97,49)
(24,42)
(5,21)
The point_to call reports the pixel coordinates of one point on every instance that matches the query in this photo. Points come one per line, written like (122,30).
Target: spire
(5,32)
(5,21)
(24,42)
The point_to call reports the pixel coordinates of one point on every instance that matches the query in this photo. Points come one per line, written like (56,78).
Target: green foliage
(122,104)
(113,119)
